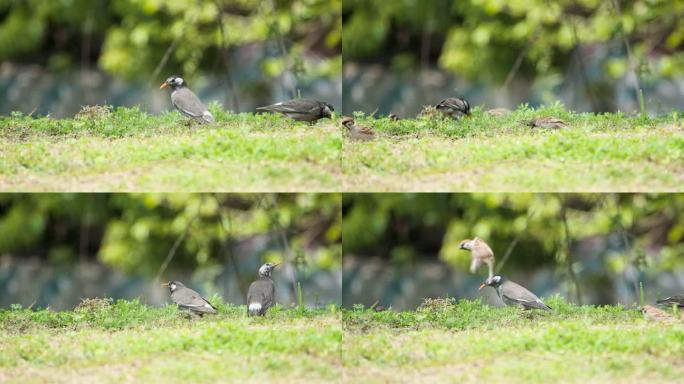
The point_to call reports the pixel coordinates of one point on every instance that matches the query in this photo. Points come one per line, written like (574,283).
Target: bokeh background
(58,55)
(56,249)
(591,55)
(589,248)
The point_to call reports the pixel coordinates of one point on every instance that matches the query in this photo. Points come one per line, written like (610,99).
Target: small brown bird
(428,112)
(454,107)
(677,300)
(356,131)
(654,314)
(480,253)
(498,112)
(547,122)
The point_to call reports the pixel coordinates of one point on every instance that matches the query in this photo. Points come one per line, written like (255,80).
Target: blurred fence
(34,89)
(35,282)
(370,87)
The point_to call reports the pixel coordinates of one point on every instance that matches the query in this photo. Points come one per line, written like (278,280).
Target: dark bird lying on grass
(677,300)
(547,122)
(261,293)
(514,294)
(186,102)
(357,132)
(480,253)
(189,300)
(393,117)
(301,109)
(454,107)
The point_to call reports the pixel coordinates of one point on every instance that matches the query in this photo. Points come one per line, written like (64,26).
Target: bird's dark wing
(454,104)
(261,291)
(187,103)
(677,299)
(518,294)
(295,106)
(189,299)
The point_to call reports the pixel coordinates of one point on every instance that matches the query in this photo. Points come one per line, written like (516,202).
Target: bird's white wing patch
(254,307)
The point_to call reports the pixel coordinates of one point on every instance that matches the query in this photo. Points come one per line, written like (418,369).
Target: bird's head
(266,269)
(174,82)
(493,281)
(328,110)
(347,122)
(467,244)
(173,285)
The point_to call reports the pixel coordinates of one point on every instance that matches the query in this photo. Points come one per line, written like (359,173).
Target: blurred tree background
(296,42)
(210,235)
(583,239)
(610,48)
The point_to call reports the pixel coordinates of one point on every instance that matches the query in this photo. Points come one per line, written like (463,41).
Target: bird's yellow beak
(481,286)
(164,85)
(165,284)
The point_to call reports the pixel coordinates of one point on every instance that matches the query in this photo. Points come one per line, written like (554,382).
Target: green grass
(469,342)
(598,152)
(130,342)
(128,150)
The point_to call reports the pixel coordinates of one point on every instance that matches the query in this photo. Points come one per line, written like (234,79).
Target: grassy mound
(470,342)
(597,152)
(126,341)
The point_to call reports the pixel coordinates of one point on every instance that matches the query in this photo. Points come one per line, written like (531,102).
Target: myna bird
(677,300)
(188,299)
(186,102)
(480,254)
(301,109)
(357,132)
(547,122)
(393,117)
(514,294)
(654,314)
(454,107)
(261,293)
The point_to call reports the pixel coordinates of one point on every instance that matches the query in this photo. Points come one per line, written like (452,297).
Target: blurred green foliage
(129,37)
(135,232)
(481,39)
(407,227)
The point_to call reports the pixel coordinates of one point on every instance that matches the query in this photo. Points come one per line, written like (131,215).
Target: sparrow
(498,112)
(547,122)
(301,109)
(480,252)
(654,314)
(185,101)
(357,132)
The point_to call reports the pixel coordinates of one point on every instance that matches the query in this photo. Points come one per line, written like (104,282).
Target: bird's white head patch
(266,269)
(175,81)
